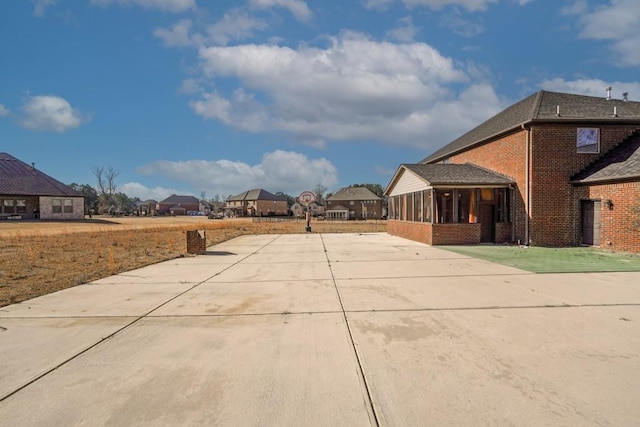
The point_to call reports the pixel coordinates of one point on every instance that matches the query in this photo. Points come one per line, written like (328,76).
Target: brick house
(554,169)
(300,210)
(354,203)
(257,202)
(27,193)
(178,205)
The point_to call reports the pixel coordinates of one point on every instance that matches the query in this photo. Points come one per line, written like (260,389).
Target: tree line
(105,199)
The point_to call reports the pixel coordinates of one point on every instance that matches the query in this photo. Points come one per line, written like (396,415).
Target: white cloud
(178,35)
(136,189)
(470,5)
(460,25)
(234,25)
(41,6)
(354,89)
(378,5)
(298,8)
(405,32)
(4,111)
(285,171)
(174,6)
(50,113)
(592,87)
(616,22)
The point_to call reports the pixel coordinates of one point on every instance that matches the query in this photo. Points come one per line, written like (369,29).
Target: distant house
(147,207)
(27,193)
(178,205)
(205,207)
(257,202)
(299,210)
(354,203)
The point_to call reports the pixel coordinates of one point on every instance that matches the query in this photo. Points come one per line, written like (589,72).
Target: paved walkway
(331,329)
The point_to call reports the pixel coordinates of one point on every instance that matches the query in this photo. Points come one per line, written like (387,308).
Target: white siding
(408,183)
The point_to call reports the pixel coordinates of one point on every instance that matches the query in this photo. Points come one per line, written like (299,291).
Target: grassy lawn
(552,260)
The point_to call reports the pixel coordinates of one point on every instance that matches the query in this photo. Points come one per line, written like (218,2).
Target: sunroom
(447,204)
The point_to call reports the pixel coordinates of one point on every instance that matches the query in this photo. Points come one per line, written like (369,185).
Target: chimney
(625,96)
(609,93)
(33,165)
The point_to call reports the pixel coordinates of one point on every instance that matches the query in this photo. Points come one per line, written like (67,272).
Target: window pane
(21,206)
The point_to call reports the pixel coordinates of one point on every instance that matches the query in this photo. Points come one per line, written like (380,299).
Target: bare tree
(106,183)
(319,191)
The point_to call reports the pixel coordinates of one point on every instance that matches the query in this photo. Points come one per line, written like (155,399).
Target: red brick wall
(435,234)
(417,231)
(555,208)
(506,156)
(618,229)
(503,232)
(456,234)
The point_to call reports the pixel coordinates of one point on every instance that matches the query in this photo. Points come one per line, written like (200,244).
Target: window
(56,206)
(21,206)
(68,206)
(8,207)
(588,140)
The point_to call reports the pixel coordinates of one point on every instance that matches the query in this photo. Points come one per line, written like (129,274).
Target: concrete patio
(326,329)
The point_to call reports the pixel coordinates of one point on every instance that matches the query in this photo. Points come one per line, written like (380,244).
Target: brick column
(196,242)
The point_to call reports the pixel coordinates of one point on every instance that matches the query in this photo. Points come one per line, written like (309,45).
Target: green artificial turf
(552,260)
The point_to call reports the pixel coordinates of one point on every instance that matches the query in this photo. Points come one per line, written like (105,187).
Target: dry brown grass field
(40,257)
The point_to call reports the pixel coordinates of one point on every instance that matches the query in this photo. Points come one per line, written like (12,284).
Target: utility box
(196,242)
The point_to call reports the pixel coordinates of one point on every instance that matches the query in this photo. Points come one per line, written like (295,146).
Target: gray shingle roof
(20,179)
(456,174)
(256,194)
(541,107)
(175,199)
(621,163)
(353,193)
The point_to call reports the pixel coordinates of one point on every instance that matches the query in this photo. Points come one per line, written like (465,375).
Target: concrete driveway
(326,329)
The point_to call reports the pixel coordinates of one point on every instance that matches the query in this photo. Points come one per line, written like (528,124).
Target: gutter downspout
(527,185)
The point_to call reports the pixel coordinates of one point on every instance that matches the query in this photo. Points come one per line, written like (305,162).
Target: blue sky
(186,96)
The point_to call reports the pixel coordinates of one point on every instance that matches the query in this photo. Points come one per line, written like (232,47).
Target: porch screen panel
(426,199)
(464,205)
(417,206)
(444,206)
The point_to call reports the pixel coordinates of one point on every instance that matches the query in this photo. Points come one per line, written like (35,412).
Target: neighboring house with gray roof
(566,172)
(256,202)
(178,205)
(354,203)
(27,193)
